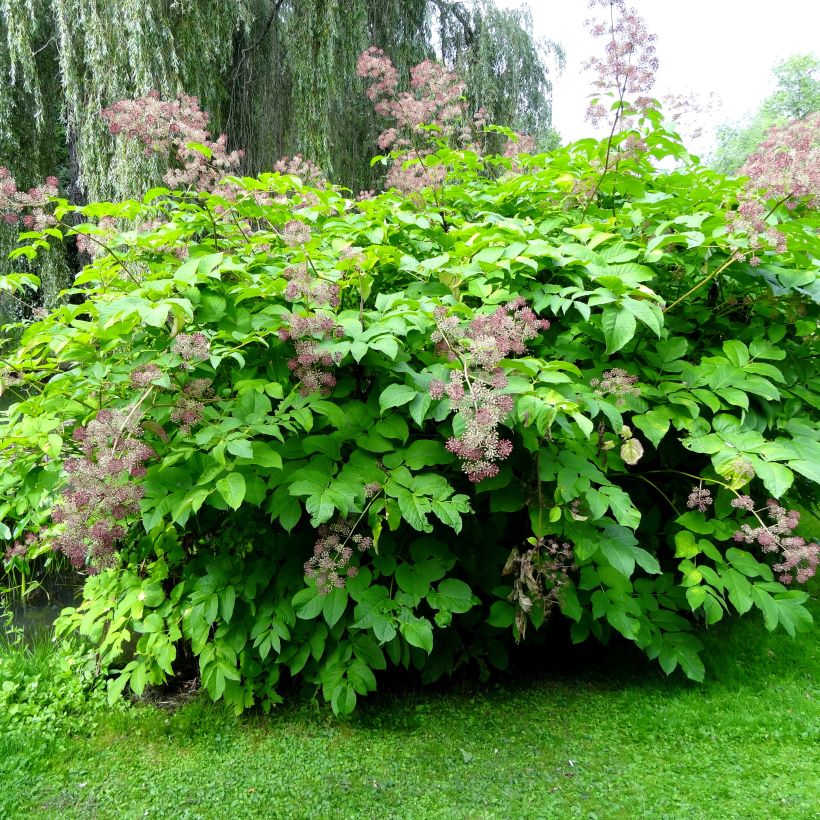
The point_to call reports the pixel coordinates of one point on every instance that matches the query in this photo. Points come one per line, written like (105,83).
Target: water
(36,615)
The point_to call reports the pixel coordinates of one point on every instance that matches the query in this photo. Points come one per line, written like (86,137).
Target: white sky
(725,47)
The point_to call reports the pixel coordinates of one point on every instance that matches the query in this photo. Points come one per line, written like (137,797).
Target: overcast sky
(725,47)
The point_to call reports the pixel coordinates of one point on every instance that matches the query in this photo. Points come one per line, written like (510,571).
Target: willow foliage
(277,75)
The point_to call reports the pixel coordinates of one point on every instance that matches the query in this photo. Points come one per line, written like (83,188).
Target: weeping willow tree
(277,75)
(504,66)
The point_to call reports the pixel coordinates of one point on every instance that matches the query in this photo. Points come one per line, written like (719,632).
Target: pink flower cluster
(435,98)
(311,364)
(524,144)
(616,383)
(750,219)
(19,549)
(786,166)
(298,166)
(330,562)
(474,389)
(629,63)
(786,169)
(100,493)
(796,554)
(189,405)
(144,375)
(192,346)
(699,499)
(295,232)
(310,289)
(26,209)
(170,128)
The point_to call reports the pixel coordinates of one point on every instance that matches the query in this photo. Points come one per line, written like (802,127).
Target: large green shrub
(247,381)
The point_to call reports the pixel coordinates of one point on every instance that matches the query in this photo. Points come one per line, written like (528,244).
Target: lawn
(613,738)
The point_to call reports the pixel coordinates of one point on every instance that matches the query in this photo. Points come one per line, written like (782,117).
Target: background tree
(277,75)
(796,96)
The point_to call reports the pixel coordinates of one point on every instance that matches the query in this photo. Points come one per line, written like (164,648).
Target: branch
(461,14)
(271,17)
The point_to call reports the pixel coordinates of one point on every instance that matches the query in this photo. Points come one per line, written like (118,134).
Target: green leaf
(647,561)
(335,603)
(746,563)
(241,447)
(738,588)
(426,453)
(412,581)
(414,509)
(619,327)
(647,312)
(343,700)
(265,456)
(775,477)
(631,451)
(792,614)
(502,614)
(618,545)
(654,424)
(736,352)
(308,603)
(417,631)
(232,489)
(396,395)
(453,595)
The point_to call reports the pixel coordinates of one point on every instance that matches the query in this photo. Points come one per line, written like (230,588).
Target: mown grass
(615,739)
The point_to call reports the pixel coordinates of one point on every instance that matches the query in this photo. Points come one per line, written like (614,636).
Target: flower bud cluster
(169,128)
(616,383)
(19,549)
(473,389)
(436,98)
(192,346)
(330,563)
(699,499)
(309,289)
(629,63)
(786,169)
(297,166)
(189,406)
(311,364)
(100,492)
(799,559)
(26,209)
(295,232)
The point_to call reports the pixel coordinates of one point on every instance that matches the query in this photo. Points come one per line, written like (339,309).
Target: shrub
(306,437)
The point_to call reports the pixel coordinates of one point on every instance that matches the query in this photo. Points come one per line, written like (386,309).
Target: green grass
(612,739)
(611,742)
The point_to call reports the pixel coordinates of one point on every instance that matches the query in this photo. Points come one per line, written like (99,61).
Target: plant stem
(700,284)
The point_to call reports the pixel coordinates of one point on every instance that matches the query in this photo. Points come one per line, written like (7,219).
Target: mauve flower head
(629,62)
(144,375)
(192,346)
(298,166)
(100,492)
(169,128)
(330,563)
(700,498)
(474,395)
(616,383)
(435,98)
(311,364)
(30,208)
(799,559)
